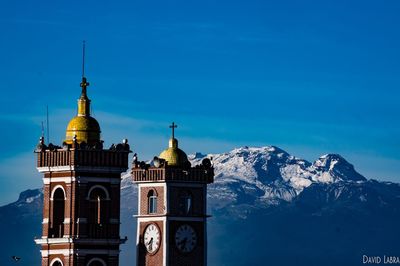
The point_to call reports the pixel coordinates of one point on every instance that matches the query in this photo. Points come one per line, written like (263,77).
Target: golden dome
(83,126)
(173,155)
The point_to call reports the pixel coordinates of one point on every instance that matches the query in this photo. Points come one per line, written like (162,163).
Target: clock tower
(172,204)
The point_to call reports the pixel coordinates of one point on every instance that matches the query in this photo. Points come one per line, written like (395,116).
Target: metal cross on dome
(173,126)
(84,83)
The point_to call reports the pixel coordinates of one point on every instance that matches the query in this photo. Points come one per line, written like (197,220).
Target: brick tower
(81,212)
(172,201)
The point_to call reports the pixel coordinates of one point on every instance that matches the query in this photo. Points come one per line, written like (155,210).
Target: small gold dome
(173,155)
(83,126)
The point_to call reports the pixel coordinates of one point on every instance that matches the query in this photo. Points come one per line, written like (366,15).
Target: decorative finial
(135,160)
(173,126)
(84,84)
(40,146)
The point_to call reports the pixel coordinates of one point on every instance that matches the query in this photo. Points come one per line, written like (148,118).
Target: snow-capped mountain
(268,175)
(270,205)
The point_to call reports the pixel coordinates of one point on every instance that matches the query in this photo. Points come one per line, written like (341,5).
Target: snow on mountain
(269,175)
(333,167)
(249,178)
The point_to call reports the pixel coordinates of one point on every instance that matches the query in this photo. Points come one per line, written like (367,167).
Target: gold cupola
(173,155)
(83,126)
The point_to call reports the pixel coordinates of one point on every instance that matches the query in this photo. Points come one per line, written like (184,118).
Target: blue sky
(311,77)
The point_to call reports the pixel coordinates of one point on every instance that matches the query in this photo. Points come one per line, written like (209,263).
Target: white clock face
(185,238)
(152,238)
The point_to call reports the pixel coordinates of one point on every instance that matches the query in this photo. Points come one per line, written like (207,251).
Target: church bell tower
(81,212)
(172,204)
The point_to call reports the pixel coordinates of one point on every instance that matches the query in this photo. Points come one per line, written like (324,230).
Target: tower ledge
(198,174)
(115,157)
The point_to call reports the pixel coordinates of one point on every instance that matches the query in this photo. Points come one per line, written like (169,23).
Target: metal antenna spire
(47,120)
(84,83)
(42,130)
(83,59)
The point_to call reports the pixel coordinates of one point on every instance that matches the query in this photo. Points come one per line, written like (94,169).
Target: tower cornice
(199,174)
(71,159)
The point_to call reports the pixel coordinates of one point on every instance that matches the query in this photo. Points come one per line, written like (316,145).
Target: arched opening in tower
(185,202)
(58,213)
(96,262)
(57,263)
(152,202)
(98,213)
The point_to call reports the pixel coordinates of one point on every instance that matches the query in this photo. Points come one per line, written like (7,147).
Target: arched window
(56,262)
(98,205)
(57,226)
(185,202)
(152,200)
(99,212)
(96,262)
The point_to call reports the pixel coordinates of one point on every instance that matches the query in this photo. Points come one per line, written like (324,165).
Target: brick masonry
(77,226)
(144,204)
(144,258)
(172,185)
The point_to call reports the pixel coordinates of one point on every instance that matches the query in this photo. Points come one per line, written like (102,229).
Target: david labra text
(381,260)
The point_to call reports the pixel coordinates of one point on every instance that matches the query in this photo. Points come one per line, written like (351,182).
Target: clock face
(185,238)
(152,238)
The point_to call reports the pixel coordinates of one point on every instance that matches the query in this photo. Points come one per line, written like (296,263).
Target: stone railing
(78,157)
(153,174)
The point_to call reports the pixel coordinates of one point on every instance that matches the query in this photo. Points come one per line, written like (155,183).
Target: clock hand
(150,244)
(150,241)
(183,243)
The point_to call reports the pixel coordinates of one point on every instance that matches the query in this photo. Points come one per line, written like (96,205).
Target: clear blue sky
(311,77)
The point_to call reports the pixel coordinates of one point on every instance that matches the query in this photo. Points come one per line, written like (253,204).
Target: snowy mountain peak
(271,150)
(328,161)
(270,174)
(337,168)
